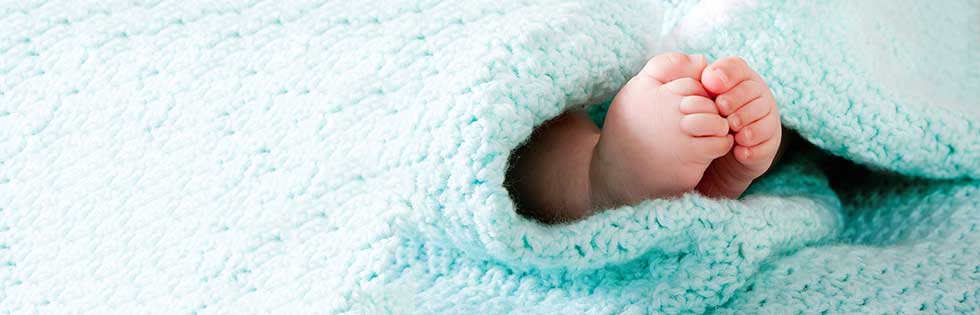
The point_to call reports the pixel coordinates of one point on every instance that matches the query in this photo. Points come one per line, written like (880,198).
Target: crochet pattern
(349,157)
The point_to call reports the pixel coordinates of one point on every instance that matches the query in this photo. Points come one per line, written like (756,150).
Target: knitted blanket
(349,157)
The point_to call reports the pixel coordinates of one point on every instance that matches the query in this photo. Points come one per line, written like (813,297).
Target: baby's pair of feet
(682,124)
(677,126)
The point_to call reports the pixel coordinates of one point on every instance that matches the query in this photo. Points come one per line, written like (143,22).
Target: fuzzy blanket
(348,157)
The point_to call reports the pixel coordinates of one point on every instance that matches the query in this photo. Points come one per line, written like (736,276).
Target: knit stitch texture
(348,157)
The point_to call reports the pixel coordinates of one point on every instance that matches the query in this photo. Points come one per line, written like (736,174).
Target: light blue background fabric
(348,157)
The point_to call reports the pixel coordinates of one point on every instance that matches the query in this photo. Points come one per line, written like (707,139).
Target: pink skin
(663,136)
(748,104)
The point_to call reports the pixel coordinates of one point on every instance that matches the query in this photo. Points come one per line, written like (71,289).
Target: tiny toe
(750,113)
(759,131)
(697,104)
(703,125)
(740,95)
(714,147)
(685,86)
(758,154)
(674,65)
(725,73)
(742,153)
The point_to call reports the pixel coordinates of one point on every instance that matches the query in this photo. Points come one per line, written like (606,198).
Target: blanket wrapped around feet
(349,157)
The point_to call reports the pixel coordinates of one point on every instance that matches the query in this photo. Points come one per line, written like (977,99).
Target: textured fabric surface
(889,84)
(348,157)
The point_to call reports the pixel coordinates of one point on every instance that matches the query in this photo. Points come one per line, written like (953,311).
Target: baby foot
(661,133)
(748,104)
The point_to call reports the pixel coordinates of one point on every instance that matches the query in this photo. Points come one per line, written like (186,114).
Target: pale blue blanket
(349,156)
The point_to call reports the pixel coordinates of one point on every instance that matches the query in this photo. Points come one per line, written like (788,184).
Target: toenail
(721,76)
(724,105)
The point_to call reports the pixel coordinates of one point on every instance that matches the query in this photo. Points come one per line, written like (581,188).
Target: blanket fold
(349,157)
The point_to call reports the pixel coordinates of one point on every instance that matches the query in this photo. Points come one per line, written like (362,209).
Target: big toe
(724,74)
(673,65)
